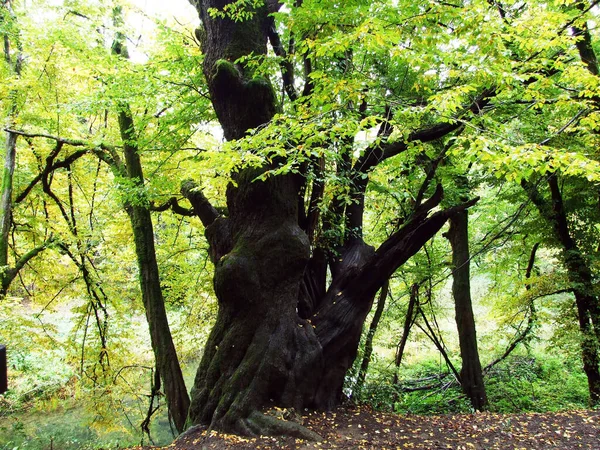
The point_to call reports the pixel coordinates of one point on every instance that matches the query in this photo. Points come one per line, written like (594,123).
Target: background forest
(495,103)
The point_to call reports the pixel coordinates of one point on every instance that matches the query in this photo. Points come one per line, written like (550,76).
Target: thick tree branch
(348,292)
(396,250)
(430,173)
(201,206)
(174,205)
(377,153)
(10,274)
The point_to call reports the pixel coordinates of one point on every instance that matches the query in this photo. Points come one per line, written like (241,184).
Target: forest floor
(363,428)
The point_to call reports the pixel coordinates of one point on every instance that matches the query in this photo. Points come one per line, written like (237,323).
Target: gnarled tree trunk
(282,336)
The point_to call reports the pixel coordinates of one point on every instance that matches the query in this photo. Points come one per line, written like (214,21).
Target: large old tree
(287,332)
(327,107)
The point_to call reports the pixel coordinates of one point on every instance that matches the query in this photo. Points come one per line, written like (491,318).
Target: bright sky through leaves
(171,12)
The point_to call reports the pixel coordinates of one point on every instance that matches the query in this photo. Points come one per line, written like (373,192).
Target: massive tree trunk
(282,337)
(471,375)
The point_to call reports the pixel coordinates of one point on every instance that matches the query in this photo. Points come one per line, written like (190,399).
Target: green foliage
(543,383)
(238,11)
(521,383)
(410,65)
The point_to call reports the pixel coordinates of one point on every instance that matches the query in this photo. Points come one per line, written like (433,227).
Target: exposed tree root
(260,424)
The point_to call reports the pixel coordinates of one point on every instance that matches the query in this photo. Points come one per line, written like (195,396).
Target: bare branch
(50,167)
(174,205)
(73,142)
(12,272)
(287,68)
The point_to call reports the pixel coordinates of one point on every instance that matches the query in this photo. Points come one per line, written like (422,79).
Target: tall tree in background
(556,188)
(138,210)
(14,59)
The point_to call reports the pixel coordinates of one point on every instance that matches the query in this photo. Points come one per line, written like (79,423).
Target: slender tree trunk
(364,366)
(471,375)
(167,362)
(409,320)
(14,61)
(6,198)
(580,277)
(160,334)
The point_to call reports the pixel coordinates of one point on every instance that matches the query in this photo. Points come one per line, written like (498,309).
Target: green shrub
(520,383)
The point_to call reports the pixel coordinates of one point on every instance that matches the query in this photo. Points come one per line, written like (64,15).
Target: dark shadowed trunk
(471,375)
(368,352)
(409,321)
(282,336)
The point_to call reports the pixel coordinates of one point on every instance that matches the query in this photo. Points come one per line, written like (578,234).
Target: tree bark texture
(6,197)
(165,354)
(471,375)
(282,337)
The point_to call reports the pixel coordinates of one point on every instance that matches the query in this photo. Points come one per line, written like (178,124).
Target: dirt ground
(363,428)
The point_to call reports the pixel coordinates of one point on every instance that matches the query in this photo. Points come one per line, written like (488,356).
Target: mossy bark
(6,196)
(282,337)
